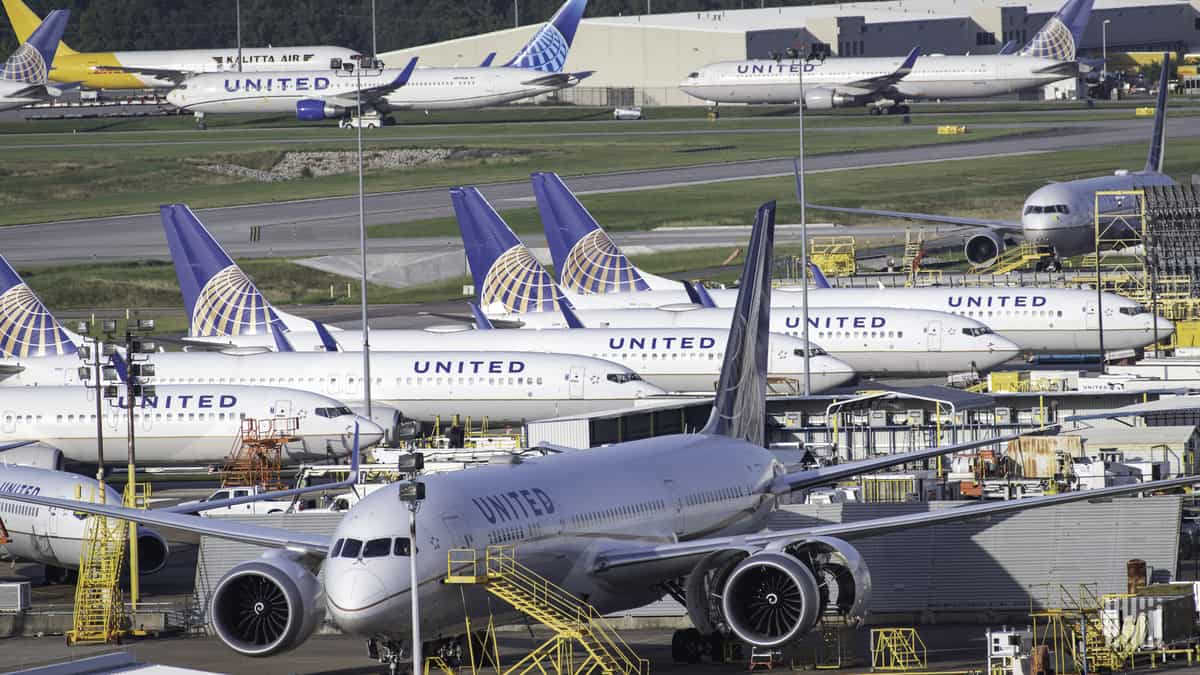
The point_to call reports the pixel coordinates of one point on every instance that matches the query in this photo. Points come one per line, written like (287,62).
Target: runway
(329,225)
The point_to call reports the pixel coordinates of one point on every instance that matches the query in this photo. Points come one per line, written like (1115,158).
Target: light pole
(1104,50)
(362,246)
(239,33)
(94,372)
(412,493)
(516,14)
(374,48)
(800,196)
(136,350)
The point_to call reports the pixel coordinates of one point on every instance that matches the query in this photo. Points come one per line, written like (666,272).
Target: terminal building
(641,59)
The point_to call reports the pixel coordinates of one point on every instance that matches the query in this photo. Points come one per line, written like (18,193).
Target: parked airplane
(535,70)
(1036,319)
(1061,215)
(613,525)
(164,68)
(24,78)
(877,83)
(54,536)
(181,425)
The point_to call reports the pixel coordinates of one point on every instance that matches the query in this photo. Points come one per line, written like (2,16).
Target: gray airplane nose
(353,594)
(1165,327)
(369,434)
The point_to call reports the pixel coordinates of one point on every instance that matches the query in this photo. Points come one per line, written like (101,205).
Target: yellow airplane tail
(25,21)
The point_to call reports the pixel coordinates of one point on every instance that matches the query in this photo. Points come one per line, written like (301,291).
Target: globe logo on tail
(595,265)
(27,328)
(25,65)
(229,304)
(519,283)
(547,51)
(1053,41)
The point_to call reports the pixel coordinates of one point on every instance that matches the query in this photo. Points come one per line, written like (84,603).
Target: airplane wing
(1009,47)
(997,225)
(884,81)
(624,557)
(347,99)
(174,76)
(799,480)
(273,537)
(470,318)
(559,79)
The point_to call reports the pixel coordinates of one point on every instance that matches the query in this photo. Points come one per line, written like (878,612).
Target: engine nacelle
(312,110)
(841,573)
(770,598)
(983,248)
(822,98)
(266,606)
(36,455)
(153,551)
(387,417)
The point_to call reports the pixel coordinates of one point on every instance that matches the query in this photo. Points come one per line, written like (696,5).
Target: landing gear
(201,121)
(450,650)
(60,575)
(690,646)
(391,653)
(1052,264)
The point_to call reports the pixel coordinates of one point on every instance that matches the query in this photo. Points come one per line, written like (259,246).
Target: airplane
(1060,215)
(677,361)
(536,69)
(515,289)
(613,525)
(877,83)
(24,79)
(166,68)
(187,425)
(1056,320)
(54,537)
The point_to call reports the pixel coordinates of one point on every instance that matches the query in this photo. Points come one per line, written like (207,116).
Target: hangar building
(641,59)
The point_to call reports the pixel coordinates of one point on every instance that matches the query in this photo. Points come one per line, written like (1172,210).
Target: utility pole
(239,33)
(137,349)
(95,373)
(362,249)
(803,228)
(412,493)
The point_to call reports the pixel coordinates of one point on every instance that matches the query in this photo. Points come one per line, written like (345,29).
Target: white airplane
(322,94)
(879,84)
(54,536)
(613,525)
(181,425)
(1062,320)
(25,76)
(1061,215)
(164,68)
(674,360)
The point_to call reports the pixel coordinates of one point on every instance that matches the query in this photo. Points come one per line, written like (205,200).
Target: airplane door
(575,383)
(282,408)
(1090,317)
(455,531)
(933,336)
(10,424)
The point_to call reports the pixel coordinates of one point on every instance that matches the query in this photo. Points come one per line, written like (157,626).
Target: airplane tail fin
(31,62)
(547,51)
(220,299)
(503,269)
(739,409)
(25,23)
(1154,159)
(27,328)
(1059,39)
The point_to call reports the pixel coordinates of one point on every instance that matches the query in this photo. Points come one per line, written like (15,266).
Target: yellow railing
(897,650)
(99,608)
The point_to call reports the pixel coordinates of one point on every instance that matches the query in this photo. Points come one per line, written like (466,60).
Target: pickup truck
(257,508)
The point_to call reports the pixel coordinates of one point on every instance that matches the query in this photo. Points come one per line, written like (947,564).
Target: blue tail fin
(1059,39)
(31,61)
(1154,159)
(27,328)
(503,269)
(740,407)
(547,51)
(220,299)
(585,258)
(819,279)
(120,366)
(487,60)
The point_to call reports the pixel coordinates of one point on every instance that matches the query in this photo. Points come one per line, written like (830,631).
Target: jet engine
(312,110)
(773,596)
(36,455)
(152,551)
(822,98)
(266,606)
(984,247)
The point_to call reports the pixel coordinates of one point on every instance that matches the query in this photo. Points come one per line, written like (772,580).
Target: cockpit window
(1049,208)
(351,548)
(694,75)
(622,378)
(976,332)
(334,412)
(401,547)
(1133,311)
(337,548)
(812,351)
(377,548)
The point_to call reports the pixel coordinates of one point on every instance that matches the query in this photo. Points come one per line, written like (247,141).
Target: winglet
(27,328)
(327,340)
(739,408)
(819,279)
(482,322)
(487,61)
(699,295)
(503,269)
(1154,159)
(282,344)
(906,67)
(1008,48)
(568,312)
(403,77)
(120,366)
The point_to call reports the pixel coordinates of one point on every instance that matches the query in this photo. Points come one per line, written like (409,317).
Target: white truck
(257,508)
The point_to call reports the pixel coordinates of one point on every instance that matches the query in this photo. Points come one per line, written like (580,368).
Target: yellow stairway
(99,607)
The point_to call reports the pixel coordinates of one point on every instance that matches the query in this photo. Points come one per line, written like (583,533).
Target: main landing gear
(690,646)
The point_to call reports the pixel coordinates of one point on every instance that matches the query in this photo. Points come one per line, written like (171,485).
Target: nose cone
(175,98)
(837,371)
(1000,349)
(1165,327)
(369,433)
(354,595)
